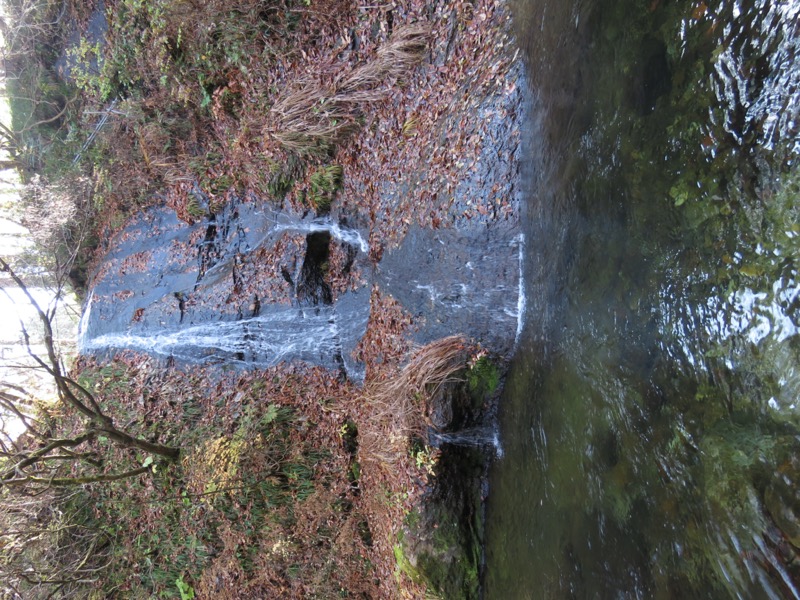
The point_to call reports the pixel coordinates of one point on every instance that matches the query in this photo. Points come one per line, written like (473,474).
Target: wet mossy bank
(441,543)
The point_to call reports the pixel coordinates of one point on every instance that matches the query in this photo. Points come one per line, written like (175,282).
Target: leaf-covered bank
(283,489)
(293,482)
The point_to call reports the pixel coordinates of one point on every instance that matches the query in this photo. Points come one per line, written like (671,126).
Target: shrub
(313,118)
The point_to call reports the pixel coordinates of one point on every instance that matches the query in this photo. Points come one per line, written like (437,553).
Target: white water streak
(83,324)
(349,236)
(522,299)
(476,437)
(266,339)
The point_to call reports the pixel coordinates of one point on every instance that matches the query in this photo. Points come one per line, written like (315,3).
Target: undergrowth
(290,479)
(263,499)
(182,93)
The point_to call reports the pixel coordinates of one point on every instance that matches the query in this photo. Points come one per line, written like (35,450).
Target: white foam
(266,339)
(522,299)
(349,236)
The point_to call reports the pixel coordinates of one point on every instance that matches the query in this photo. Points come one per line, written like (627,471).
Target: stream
(650,420)
(252,286)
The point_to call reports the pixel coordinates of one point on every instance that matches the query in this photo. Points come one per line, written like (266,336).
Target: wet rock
(218,291)
(441,411)
(458,281)
(191,283)
(352,309)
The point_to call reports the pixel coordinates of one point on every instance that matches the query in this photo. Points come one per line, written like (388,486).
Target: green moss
(445,569)
(445,536)
(483,379)
(451,568)
(323,185)
(403,564)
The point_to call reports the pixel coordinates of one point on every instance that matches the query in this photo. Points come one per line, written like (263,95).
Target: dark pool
(651,418)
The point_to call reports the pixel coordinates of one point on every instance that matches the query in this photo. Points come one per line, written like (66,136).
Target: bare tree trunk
(127,441)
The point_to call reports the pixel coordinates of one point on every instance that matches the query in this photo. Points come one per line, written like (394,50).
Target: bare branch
(72,481)
(11,403)
(53,365)
(40,454)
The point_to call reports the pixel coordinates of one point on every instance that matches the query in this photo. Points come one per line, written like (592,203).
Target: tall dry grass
(313,118)
(398,405)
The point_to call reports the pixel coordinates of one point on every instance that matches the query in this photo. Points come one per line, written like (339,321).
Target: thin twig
(97,129)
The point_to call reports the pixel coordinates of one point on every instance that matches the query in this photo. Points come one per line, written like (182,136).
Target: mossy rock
(442,545)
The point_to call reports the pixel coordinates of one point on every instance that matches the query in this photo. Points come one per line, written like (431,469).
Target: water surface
(650,421)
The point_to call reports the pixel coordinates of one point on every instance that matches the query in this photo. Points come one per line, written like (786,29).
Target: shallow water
(650,419)
(249,287)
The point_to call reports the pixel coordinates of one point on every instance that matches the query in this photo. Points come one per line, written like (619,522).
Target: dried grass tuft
(314,117)
(398,404)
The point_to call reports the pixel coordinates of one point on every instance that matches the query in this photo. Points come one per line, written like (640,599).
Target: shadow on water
(650,422)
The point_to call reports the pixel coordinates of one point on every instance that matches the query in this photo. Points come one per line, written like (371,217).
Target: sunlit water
(650,420)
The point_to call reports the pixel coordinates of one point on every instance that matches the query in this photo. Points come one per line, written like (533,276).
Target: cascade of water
(121,296)
(83,324)
(168,305)
(349,236)
(478,437)
(264,340)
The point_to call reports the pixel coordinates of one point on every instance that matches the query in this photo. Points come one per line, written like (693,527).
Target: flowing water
(250,287)
(650,422)
(475,437)
(262,341)
(201,292)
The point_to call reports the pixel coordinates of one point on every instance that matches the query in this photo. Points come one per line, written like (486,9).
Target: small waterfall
(348,236)
(282,334)
(232,302)
(476,437)
(146,308)
(83,324)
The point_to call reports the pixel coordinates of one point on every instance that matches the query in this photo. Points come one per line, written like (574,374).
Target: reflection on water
(650,426)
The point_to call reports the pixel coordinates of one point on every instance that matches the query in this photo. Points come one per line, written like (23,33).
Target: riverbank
(292,482)
(360,170)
